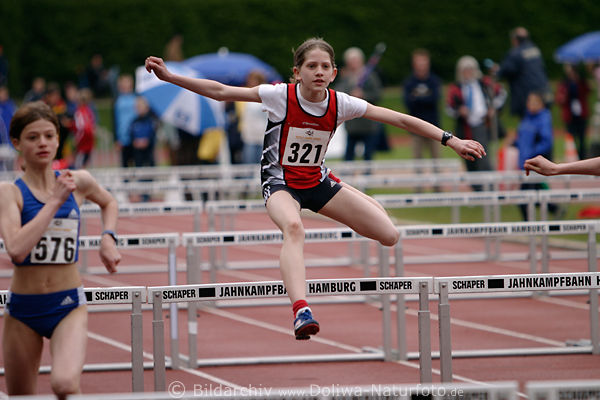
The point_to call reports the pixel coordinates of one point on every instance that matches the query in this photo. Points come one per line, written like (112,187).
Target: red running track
(255,331)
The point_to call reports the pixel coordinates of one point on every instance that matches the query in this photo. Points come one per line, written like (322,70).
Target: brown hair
(311,44)
(420,51)
(28,113)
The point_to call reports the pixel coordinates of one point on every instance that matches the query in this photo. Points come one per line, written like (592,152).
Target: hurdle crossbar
(145,241)
(219,187)
(513,283)
(556,390)
(134,295)
(148,209)
(490,391)
(244,290)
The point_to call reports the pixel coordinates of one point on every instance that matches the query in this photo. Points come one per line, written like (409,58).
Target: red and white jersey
(294,147)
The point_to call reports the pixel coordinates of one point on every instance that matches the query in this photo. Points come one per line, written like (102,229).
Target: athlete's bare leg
(67,346)
(361,213)
(366,196)
(284,210)
(22,348)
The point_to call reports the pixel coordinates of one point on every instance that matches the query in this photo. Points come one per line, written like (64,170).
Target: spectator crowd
(475,100)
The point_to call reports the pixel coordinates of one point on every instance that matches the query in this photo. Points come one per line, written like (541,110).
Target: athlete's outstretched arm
(205,87)
(467,149)
(542,166)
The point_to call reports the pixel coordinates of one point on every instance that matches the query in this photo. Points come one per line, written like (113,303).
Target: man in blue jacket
(422,90)
(525,71)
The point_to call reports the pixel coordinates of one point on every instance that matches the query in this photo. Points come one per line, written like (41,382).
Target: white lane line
(564,302)
(278,329)
(493,329)
(127,348)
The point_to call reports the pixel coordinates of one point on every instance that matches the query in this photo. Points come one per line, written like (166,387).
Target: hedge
(56,39)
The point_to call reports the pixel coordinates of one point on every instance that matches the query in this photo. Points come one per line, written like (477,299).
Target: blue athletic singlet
(60,242)
(294,149)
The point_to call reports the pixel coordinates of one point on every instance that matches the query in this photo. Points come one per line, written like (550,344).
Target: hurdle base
(97,367)
(306,358)
(527,351)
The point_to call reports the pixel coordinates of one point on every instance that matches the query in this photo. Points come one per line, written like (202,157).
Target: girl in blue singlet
(39,223)
(302,118)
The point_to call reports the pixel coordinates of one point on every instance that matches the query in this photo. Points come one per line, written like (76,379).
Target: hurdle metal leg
(197,228)
(158,344)
(444,333)
(212,250)
(193,276)
(400,305)
(545,248)
(593,267)
(532,239)
(83,259)
(424,334)
(497,239)
(137,344)
(487,217)
(384,267)
(173,307)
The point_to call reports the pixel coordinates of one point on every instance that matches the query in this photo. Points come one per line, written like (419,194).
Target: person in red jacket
(85,129)
(572,97)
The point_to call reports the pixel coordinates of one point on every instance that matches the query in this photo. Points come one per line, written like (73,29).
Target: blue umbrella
(231,68)
(177,106)
(583,48)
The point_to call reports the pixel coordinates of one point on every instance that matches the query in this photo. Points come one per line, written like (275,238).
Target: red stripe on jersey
(298,176)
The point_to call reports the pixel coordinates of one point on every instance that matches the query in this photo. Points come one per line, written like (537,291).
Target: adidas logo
(73,214)
(66,301)
(332,183)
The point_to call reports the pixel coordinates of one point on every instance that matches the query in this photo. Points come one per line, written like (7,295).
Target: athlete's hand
(540,165)
(467,149)
(157,65)
(64,186)
(109,255)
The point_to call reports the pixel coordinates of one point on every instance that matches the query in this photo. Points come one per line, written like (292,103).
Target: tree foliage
(56,39)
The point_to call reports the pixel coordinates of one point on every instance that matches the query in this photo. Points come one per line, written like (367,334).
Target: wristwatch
(112,235)
(445,137)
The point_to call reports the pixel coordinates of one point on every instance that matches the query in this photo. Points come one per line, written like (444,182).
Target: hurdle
(409,232)
(252,170)
(229,238)
(489,200)
(325,287)
(557,390)
(134,295)
(213,189)
(144,241)
(530,229)
(194,208)
(490,391)
(513,283)
(166,240)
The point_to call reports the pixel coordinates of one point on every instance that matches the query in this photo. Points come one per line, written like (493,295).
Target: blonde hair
(354,52)
(467,62)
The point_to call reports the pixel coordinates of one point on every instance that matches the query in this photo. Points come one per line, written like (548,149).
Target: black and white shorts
(313,198)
